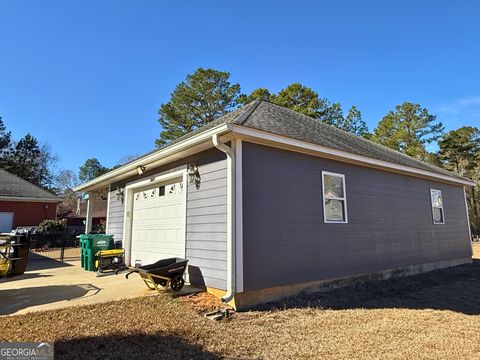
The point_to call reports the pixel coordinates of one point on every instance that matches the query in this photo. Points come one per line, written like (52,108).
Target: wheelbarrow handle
(128,274)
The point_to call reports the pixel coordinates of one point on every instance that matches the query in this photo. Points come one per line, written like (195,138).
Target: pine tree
(91,169)
(257,94)
(353,123)
(26,161)
(203,97)
(459,151)
(408,129)
(5,146)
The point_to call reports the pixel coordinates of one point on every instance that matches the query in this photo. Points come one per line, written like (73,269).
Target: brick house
(23,204)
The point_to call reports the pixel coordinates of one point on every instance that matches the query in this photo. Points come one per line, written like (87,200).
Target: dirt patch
(202,302)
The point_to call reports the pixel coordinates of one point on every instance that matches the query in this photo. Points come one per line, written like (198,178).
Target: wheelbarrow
(162,274)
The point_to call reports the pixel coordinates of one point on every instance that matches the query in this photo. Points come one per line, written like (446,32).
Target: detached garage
(24,204)
(265,202)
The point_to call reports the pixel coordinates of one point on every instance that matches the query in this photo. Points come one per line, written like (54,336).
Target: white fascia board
(106,179)
(281,141)
(25,199)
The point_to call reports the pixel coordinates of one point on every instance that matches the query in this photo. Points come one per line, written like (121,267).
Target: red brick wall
(29,213)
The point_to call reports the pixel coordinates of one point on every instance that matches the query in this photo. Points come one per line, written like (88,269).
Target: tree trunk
(475,211)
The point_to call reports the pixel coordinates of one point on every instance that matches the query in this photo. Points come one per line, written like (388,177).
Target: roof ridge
(400,153)
(246,114)
(391,154)
(28,182)
(378,145)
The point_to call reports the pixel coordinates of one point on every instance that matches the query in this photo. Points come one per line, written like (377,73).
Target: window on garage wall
(437,206)
(334,198)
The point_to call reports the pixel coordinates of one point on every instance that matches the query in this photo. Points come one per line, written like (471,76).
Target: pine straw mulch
(202,302)
(430,316)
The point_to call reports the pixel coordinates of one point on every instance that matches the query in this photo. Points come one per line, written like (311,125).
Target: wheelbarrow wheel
(177,283)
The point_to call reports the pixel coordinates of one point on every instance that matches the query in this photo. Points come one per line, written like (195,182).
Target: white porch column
(88,219)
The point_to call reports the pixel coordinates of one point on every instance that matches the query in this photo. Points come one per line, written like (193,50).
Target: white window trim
(443,210)
(344,199)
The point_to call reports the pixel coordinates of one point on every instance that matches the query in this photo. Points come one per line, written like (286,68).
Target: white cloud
(465,111)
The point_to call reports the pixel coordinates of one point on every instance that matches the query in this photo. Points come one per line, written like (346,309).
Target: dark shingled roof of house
(266,116)
(278,120)
(13,186)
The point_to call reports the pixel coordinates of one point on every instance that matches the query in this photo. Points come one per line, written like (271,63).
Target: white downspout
(230,216)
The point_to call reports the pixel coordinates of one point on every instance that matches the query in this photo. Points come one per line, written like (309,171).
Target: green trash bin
(82,250)
(90,244)
(89,260)
(84,240)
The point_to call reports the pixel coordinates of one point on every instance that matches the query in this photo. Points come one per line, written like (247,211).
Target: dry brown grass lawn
(431,316)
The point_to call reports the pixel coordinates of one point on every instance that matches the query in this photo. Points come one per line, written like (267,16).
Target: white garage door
(158,224)
(6,221)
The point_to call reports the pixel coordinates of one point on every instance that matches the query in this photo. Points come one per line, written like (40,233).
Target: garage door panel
(156,226)
(6,221)
(158,223)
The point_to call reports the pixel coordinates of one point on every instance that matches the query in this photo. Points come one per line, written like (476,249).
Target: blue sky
(88,76)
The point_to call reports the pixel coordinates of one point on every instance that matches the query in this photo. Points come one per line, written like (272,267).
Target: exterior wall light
(120,194)
(193,175)
(141,169)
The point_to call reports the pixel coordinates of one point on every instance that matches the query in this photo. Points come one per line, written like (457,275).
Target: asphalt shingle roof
(13,186)
(266,116)
(278,120)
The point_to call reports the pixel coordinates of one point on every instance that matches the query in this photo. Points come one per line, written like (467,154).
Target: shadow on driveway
(13,300)
(134,346)
(29,275)
(43,263)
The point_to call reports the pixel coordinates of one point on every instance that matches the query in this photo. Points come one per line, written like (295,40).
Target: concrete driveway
(50,284)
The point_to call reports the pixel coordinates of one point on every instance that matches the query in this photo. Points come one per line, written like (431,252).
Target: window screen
(334,198)
(437,206)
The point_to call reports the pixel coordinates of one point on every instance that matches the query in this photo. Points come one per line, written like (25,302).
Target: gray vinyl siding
(286,241)
(206,216)
(207,226)
(115,216)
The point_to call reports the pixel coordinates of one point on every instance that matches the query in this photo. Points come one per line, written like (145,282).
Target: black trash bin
(20,253)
